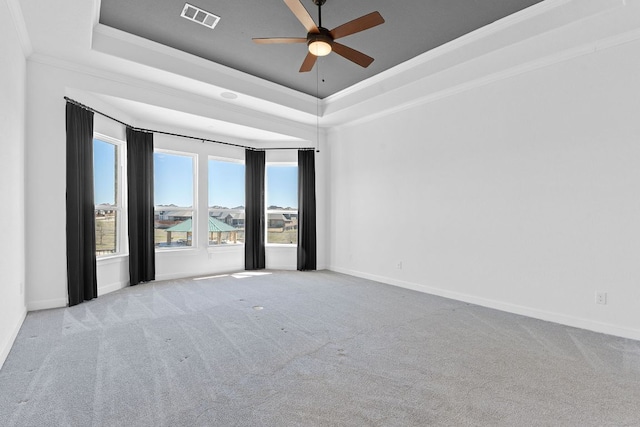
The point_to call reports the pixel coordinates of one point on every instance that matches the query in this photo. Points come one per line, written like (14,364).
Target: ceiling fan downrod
(319,3)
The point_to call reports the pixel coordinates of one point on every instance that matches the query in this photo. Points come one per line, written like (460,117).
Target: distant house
(277,220)
(229,216)
(173,216)
(237,219)
(225,217)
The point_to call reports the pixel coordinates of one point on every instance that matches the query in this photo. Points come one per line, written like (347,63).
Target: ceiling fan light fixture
(320,43)
(320,48)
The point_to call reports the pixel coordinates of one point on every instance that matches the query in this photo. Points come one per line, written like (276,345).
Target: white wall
(521,194)
(49,80)
(12,170)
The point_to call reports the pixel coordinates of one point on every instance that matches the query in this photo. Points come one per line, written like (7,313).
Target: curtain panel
(254,252)
(306,210)
(142,261)
(82,283)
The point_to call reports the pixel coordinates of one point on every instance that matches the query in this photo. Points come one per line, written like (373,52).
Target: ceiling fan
(321,41)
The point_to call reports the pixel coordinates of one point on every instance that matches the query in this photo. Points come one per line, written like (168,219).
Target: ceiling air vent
(200,16)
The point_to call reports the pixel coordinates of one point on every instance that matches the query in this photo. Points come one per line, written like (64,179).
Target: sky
(173,179)
(282,186)
(226,184)
(104,155)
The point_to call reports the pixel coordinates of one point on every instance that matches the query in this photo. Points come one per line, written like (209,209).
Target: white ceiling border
(397,76)
(549,60)
(342,118)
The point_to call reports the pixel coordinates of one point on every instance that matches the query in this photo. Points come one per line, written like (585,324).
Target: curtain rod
(93,110)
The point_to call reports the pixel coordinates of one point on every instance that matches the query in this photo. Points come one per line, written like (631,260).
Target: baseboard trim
(285,267)
(6,346)
(63,302)
(563,319)
(175,276)
(47,304)
(103,290)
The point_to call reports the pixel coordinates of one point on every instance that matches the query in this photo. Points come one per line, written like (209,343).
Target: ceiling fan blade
(303,16)
(359,24)
(308,62)
(271,40)
(352,55)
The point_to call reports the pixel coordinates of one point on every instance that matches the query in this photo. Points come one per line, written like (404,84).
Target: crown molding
(21,27)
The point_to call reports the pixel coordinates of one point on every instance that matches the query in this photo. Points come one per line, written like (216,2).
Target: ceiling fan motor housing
(322,36)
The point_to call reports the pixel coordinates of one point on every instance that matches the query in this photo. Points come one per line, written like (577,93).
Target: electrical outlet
(601,297)
(399,265)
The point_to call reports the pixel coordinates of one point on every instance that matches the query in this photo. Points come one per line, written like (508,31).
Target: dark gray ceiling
(412,27)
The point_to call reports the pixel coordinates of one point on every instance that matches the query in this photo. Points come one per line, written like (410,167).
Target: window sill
(281,245)
(225,248)
(174,250)
(111,259)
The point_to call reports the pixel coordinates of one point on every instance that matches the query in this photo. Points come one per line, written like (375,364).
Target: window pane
(173,228)
(105,193)
(226,185)
(226,226)
(282,228)
(282,187)
(173,189)
(106,226)
(226,202)
(282,204)
(173,180)
(104,173)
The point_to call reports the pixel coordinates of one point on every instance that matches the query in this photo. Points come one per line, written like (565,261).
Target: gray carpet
(309,349)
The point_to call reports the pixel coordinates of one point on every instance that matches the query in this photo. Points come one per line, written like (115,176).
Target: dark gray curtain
(142,261)
(82,283)
(254,258)
(306,210)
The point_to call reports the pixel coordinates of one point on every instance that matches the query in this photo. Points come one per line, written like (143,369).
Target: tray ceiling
(412,27)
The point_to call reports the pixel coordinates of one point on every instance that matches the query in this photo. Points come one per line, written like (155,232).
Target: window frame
(209,209)
(121,239)
(268,211)
(193,209)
